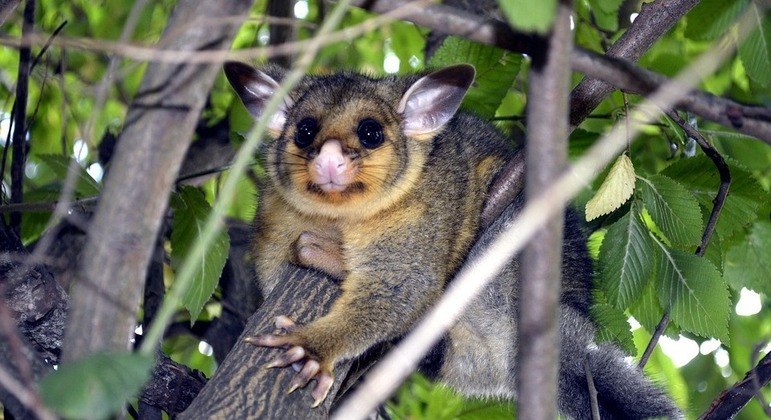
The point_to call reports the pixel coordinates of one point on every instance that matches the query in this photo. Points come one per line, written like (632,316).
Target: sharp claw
(294,354)
(284,323)
(324,382)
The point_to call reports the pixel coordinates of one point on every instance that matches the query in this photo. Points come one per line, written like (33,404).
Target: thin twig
(709,229)
(19,144)
(46,206)
(592,391)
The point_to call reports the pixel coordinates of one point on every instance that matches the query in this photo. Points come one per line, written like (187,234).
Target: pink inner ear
(434,99)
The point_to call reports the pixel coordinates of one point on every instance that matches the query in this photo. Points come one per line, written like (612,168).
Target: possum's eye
(306,131)
(370,133)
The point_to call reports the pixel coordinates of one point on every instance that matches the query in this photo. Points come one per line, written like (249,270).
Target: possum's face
(348,145)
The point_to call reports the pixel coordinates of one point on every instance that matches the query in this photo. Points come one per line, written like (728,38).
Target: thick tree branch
(148,157)
(654,20)
(242,386)
(546,155)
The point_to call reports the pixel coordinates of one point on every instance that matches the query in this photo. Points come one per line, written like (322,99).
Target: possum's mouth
(333,189)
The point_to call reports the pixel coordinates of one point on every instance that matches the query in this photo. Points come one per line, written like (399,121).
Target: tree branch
(148,157)
(546,155)
(730,401)
(654,20)
(751,120)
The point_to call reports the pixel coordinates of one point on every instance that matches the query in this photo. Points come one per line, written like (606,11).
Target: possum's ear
(255,89)
(434,99)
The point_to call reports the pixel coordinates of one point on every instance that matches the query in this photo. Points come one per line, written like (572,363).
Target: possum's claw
(307,365)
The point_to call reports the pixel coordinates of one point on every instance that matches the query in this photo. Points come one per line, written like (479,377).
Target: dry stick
(537,355)
(718,202)
(477,273)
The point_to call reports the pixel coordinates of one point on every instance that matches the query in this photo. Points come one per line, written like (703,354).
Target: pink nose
(330,162)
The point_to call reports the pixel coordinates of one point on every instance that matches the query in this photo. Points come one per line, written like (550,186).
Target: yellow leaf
(614,191)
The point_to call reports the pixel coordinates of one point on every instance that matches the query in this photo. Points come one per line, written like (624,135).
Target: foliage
(645,236)
(97,386)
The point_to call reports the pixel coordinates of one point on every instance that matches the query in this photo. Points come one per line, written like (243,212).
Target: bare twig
(592,391)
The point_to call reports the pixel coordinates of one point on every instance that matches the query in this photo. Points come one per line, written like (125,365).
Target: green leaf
(615,190)
(673,209)
(529,15)
(606,13)
(97,386)
(85,186)
(745,196)
(626,259)
(695,292)
(747,263)
(495,72)
(190,214)
(754,51)
(613,326)
(712,18)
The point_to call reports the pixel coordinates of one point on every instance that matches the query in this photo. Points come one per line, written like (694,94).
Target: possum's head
(348,145)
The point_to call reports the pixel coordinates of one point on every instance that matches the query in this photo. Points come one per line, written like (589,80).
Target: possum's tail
(623,392)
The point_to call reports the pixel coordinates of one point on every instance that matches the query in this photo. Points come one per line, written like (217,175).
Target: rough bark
(149,153)
(546,154)
(242,387)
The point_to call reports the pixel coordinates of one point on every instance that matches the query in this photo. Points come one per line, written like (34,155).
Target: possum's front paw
(300,356)
(320,252)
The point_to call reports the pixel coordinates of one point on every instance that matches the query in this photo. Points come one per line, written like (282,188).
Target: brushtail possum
(380,182)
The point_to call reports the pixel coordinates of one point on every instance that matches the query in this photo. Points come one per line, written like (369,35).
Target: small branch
(730,401)
(20,114)
(538,338)
(654,20)
(718,203)
(592,391)
(47,206)
(723,170)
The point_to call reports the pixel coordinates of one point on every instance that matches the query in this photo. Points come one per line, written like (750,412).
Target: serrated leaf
(626,260)
(615,190)
(97,386)
(496,70)
(745,196)
(613,326)
(747,264)
(673,209)
(190,214)
(711,18)
(85,186)
(529,15)
(695,293)
(754,51)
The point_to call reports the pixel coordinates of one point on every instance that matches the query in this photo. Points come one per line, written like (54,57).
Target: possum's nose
(332,170)
(330,162)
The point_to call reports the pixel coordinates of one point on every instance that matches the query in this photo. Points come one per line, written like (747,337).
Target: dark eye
(307,129)
(370,133)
